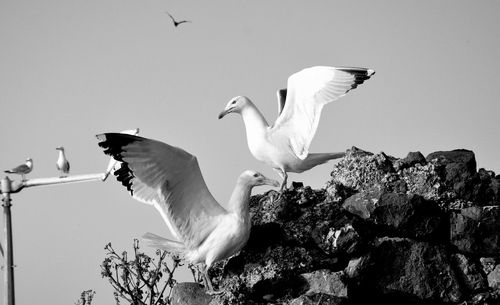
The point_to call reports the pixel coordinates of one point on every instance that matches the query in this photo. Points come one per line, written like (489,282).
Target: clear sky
(74,68)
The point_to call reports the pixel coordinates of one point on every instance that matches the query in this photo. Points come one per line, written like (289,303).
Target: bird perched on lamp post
(22,169)
(285,145)
(170,179)
(62,163)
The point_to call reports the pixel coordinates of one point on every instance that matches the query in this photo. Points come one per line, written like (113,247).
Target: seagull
(112,164)
(285,145)
(169,179)
(22,169)
(62,163)
(176,23)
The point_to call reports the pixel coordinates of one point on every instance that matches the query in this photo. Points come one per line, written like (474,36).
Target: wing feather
(168,178)
(307,92)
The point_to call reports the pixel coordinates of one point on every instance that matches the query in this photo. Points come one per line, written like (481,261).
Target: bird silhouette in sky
(176,23)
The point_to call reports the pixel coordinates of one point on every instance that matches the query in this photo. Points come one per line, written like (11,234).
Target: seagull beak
(223,113)
(271,182)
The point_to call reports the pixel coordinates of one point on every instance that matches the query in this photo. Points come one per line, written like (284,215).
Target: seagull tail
(314,159)
(8,172)
(162,243)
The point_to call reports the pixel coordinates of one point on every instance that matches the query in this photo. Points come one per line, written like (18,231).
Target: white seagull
(170,179)
(62,162)
(22,169)
(285,145)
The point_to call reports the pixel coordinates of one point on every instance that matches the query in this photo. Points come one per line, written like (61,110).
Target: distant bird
(285,145)
(62,163)
(170,179)
(22,169)
(176,23)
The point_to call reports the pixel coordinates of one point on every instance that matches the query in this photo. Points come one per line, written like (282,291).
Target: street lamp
(8,187)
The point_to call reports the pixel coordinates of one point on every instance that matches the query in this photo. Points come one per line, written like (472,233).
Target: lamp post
(8,187)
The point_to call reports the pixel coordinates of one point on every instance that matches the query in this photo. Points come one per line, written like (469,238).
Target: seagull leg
(283,184)
(283,176)
(208,283)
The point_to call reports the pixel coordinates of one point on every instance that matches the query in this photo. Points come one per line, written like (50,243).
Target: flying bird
(62,162)
(176,23)
(285,145)
(22,169)
(169,179)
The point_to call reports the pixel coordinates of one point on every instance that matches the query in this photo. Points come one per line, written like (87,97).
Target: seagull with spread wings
(285,145)
(169,179)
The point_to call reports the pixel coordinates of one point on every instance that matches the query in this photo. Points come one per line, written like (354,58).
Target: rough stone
(189,294)
(383,231)
(398,214)
(320,298)
(410,160)
(470,273)
(494,278)
(488,264)
(476,230)
(326,282)
(405,270)
(457,168)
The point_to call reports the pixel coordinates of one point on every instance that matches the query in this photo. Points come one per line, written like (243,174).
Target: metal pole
(9,258)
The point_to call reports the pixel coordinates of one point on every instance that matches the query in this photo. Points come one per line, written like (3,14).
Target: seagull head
(60,148)
(236,104)
(253,178)
(29,160)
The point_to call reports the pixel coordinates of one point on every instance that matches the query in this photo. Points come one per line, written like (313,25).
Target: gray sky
(72,69)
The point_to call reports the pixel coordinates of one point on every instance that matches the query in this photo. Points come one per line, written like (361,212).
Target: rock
(494,278)
(319,298)
(410,160)
(326,282)
(470,273)
(398,214)
(404,270)
(363,204)
(457,168)
(488,264)
(476,230)
(189,294)
(384,230)
(486,190)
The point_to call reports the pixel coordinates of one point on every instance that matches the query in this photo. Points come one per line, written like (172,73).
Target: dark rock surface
(417,230)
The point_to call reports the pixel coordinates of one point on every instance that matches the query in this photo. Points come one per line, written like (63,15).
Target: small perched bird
(22,169)
(62,162)
(285,145)
(170,179)
(176,23)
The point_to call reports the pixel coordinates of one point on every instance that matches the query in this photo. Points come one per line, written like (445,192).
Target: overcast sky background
(71,69)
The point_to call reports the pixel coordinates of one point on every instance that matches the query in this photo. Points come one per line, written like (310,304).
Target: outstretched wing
(281,94)
(308,91)
(168,178)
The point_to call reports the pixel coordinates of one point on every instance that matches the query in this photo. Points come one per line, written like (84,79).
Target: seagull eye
(256,175)
(234,102)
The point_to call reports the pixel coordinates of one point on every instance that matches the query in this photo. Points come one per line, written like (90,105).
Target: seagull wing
(308,91)
(281,94)
(21,169)
(168,178)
